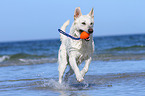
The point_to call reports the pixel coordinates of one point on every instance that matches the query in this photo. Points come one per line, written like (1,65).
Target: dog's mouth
(88,39)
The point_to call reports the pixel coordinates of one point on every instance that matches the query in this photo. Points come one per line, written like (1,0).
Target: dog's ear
(92,13)
(77,13)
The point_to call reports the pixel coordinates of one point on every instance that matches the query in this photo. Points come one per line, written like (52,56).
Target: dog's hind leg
(62,60)
(69,73)
(86,67)
(61,69)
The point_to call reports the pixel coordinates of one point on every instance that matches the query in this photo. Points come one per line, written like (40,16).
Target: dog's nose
(90,30)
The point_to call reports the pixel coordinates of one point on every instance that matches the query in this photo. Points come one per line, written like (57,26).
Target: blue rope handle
(68,35)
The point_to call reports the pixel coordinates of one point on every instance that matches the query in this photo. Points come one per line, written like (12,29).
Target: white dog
(74,52)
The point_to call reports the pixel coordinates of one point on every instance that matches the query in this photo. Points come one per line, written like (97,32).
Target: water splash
(53,84)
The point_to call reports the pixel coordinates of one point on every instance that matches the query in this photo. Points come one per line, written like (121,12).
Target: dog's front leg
(74,66)
(86,67)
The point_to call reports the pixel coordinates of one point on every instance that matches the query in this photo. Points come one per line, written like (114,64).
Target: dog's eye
(83,23)
(91,23)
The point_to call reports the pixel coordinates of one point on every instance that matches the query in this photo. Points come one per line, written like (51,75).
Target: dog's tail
(63,37)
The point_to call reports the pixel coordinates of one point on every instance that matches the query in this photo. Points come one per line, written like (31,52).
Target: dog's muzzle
(90,31)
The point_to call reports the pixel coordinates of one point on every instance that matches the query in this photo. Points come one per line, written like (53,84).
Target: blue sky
(40,19)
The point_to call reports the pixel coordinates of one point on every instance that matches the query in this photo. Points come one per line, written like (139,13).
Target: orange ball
(84,35)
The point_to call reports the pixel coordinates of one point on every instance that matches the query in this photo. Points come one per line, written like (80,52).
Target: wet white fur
(74,52)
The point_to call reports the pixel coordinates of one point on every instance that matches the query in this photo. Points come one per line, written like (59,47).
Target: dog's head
(84,22)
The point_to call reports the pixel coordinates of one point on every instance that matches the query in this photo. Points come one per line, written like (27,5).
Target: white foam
(3,58)
(38,61)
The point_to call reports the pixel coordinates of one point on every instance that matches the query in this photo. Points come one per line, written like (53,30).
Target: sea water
(30,68)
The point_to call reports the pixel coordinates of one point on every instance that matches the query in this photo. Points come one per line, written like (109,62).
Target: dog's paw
(80,79)
(60,81)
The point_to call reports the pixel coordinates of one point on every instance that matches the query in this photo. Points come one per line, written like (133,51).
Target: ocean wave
(21,62)
(118,57)
(126,48)
(24,55)
(3,58)
(26,59)
(38,61)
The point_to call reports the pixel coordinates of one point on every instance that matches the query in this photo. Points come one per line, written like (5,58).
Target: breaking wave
(3,58)
(134,47)
(25,59)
